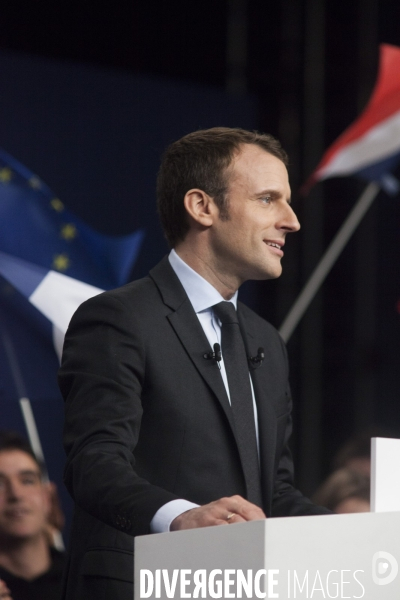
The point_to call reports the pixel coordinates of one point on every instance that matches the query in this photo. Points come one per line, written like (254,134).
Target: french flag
(370,147)
(55,295)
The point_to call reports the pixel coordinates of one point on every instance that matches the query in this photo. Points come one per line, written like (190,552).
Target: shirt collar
(201,293)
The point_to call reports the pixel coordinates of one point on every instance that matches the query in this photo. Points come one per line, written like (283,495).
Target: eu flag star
(68,231)
(5,174)
(37,227)
(57,205)
(35,182)
(61,262)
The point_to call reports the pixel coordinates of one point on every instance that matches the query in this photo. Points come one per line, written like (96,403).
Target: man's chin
(260,272)
(17,535)
(269,273)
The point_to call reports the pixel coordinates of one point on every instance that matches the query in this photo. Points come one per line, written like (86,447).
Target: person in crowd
(30,568)
(355,453)
(345,491)
(178,408)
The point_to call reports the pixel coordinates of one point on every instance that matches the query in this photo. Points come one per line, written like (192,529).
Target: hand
(221,512)
(5,593)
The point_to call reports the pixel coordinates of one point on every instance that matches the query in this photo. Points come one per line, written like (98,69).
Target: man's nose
(13,491)
(288,220)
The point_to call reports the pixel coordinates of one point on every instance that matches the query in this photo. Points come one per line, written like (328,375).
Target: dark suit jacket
(148,421)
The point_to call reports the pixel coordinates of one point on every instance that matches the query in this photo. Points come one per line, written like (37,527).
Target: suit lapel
(186,325)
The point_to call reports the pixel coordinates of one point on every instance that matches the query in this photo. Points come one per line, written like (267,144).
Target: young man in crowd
(30,569)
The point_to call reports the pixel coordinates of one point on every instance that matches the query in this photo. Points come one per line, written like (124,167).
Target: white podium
(333,556)
(385,475)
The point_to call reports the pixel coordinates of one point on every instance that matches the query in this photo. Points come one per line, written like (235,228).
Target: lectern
(329,556)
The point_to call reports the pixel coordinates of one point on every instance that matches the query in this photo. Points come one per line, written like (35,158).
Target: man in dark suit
(157,436)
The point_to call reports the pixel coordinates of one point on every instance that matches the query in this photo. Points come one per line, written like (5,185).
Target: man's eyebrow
(274,193)
(25,473)
(29,472)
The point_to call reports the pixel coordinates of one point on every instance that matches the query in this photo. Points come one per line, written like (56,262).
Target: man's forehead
(253,163)
(253,156)
(12,461)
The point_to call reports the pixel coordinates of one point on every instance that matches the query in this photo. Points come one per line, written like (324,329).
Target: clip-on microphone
(257,360)
(215,354)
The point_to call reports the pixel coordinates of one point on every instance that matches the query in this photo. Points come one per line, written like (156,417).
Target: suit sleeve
(287,500)
(101,379)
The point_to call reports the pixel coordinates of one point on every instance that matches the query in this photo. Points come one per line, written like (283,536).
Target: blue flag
(36,226)
(41,242)
(50,261)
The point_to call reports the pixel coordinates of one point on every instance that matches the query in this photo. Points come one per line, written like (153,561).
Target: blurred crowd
(347,488)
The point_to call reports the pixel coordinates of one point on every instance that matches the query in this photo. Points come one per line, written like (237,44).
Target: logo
(384,568)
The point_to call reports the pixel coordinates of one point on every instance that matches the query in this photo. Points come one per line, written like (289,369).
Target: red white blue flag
(370,147)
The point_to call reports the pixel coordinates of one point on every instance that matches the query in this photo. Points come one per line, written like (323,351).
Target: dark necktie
(237,371)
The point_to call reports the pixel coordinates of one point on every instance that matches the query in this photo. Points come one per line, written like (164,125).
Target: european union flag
(50,261)
(38,237)
(36,226)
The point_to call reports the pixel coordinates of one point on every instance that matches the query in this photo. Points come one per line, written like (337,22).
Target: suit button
(128,524)
(123,522)
(118,520)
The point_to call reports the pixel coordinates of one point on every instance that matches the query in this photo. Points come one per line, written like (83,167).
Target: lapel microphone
(257,360)
(215,354)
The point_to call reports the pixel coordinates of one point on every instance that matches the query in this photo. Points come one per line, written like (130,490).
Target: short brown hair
(11,440)
(200,160)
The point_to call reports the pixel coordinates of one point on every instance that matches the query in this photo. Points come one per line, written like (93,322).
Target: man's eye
(29,480)
(266,199)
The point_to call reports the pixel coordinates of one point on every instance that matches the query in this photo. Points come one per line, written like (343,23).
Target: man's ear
(47,491)
(200,207)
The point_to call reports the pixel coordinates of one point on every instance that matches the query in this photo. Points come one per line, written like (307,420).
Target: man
(157,436)
(29,569)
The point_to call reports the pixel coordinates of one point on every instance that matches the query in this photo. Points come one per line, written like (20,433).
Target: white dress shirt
(203,296)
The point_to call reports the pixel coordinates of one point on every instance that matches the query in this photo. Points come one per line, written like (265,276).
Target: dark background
(299,69)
